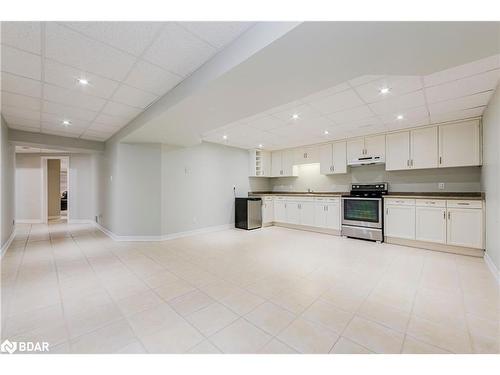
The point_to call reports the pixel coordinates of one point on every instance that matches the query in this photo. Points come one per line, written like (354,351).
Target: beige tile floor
(273,290)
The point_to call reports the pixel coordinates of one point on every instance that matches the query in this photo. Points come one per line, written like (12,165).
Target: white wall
(7,205)
(490,179)
(29,187)
(198,185)
(465,179)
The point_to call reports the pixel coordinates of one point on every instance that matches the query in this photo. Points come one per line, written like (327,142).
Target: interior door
(424,148)
(397,151)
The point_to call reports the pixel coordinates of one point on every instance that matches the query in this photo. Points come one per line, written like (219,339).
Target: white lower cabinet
(327,213)
(430,224)
(280,210)
(400,220)
(292,212)
(267,210)
(465,227)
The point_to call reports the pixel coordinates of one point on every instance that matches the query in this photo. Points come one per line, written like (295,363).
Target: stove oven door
(362,212)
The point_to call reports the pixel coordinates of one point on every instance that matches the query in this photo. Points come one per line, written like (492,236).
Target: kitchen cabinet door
(287,162)
(424,148)
(375,146)
(267,210)
(280,210)
(326,159)
(266,163)
(339,158)
(306,213)
(292,213)
(465,227)
(400,222)
(306,155)
(398,151)
(333,216)
(276,164)
(459,144)
(430,224)
(355,149)
(320,219)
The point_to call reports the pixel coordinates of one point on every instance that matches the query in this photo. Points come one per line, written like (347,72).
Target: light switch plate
(441,185)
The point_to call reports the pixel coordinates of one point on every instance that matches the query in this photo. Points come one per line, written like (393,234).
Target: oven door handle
(363,198)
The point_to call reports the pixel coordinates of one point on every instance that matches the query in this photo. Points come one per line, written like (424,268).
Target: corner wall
(490,178)
(7,172)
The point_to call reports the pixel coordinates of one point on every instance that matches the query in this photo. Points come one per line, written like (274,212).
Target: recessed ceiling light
(83,81)
(66,122)
(326,132)
(385,90)
(261,145)
(224,137)
(295,116)
(400,117)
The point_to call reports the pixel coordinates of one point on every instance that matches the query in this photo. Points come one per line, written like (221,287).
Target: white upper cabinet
(459,144)
(282,163)
(424,148)
(373,146)
(415,149)
(260,163)
(306,155)
(332,158)
(397,151)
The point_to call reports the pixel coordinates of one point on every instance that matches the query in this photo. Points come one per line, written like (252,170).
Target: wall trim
(491,266)
(8,242)
(80,221)
(29,221)
(164,237)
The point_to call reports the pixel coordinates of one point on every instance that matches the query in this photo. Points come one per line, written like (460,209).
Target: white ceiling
(129,65)
(357,107)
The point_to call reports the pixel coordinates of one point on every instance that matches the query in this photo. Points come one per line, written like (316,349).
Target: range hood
(366,160)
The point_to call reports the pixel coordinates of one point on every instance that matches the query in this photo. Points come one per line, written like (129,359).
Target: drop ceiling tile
(21,85)
(72,48)
(132,37)
(133,97)
(217,34)
(458,104)
(22,35)
(72,98)
(21,63)
(104,128)
(462,71)
(21,122)
(327,92)
(337,102)
(398,85)
(66,76)
(56,120)
(179,51)
(34,129)
(462,87)
(94,137)
(120,110)
(458,115)
(151,78)
(409,115)
(68,111)
(350,115)
(20,113)
(20,101)
(62,132)
(111,120)
(399,103)
(304,111)
(364,79)
(266,123)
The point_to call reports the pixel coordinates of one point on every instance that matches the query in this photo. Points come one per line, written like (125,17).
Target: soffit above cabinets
(128,66)
(360,107)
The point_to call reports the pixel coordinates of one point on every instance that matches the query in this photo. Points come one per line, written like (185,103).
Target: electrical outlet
(441,185)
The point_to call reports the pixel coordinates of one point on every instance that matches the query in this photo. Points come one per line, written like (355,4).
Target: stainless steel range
(362,211)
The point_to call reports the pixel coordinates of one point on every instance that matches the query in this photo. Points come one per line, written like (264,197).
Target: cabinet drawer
(268,198)
(399,202)
(431,203)
(327,200)
(464,204)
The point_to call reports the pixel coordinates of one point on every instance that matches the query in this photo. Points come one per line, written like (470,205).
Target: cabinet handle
(440,160)
(407,163)
(387,211)
(444,215)
(411,162)
(305,155)
(449,215)
(463,204)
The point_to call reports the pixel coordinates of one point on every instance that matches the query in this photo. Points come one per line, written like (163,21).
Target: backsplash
(464,179)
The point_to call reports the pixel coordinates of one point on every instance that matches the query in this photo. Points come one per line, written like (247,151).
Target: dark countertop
(391,194)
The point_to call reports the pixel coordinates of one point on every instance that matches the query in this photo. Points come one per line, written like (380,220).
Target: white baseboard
(165,237)
(80,221)
(494,270)
(29,221)
(8,242)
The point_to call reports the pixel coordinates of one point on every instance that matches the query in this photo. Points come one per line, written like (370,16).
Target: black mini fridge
(248,213)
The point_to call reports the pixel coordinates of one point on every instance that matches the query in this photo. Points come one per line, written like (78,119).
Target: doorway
(55,191)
